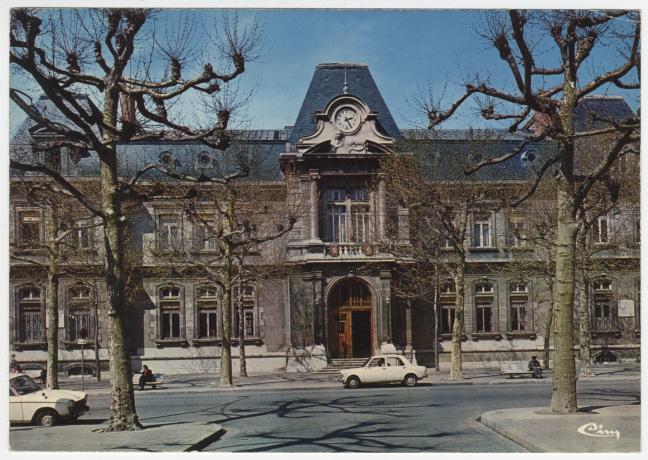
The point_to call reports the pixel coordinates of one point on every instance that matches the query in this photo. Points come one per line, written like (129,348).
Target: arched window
(520,317)
(604,316)
(484,299)
(447,296)
(80,314)
(170,312)
(245,296)
(31,322)
(207,312)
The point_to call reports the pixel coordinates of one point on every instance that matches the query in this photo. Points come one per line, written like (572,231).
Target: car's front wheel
(353,382)
(410,380)
(47,417)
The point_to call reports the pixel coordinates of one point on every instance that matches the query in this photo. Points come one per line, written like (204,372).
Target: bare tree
(439,222)
(134,77)
(235,226)
(550,91)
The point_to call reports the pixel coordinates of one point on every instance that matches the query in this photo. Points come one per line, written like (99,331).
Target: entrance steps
(335,365)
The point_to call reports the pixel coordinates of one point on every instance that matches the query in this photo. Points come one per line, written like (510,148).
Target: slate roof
(327,83)
(611,107)
(445,154)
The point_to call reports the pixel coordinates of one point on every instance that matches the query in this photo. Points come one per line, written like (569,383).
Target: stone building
(336,298)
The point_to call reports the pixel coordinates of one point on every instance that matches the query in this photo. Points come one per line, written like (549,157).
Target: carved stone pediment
(346,126)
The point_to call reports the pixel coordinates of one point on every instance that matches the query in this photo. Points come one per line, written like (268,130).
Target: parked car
(383,369)
(31,403)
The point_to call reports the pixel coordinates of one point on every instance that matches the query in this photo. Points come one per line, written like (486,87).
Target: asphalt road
(378,419)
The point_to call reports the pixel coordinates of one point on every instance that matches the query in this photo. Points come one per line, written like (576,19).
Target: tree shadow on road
(355,437)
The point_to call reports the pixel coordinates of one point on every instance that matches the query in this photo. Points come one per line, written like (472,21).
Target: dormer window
(204,162)
(168,160)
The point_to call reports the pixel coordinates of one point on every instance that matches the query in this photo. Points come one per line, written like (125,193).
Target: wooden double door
(350,334)
(350,323)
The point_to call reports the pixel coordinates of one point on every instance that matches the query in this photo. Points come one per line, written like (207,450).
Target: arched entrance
(350,318)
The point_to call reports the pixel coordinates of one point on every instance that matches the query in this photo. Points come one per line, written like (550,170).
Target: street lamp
(83,333)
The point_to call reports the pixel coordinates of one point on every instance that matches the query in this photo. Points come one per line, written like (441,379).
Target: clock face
(347,119)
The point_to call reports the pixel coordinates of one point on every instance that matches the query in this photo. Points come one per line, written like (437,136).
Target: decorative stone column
(386,345)
(314,205)
(381,206)
(408,328)
(319,313)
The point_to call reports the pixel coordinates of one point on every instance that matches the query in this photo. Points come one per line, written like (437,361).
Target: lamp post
(83,333)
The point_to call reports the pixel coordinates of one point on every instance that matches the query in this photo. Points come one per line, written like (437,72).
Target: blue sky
(405,49)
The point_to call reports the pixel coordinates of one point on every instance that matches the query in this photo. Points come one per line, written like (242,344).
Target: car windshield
(24,385)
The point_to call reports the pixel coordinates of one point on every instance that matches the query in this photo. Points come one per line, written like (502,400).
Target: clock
(347,119)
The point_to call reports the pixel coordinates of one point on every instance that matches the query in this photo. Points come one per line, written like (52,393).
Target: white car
(30,403)
(383,369)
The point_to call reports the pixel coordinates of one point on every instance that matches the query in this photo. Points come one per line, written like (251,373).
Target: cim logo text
(597,431)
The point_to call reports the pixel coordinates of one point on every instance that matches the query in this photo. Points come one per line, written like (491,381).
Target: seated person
(535,367)
(146,376)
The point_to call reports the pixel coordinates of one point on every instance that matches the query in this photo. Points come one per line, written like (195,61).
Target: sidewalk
(593,429)
(163,437)
(279,380)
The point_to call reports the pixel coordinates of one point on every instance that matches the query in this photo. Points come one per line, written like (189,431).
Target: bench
(516,368)
(158,380)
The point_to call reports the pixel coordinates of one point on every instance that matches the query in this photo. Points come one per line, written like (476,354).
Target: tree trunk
(241,313)
(457,327)
(225,320)
(584,333)
(548,326)
(123,416)
(51,301)
(563,398)
(96,338)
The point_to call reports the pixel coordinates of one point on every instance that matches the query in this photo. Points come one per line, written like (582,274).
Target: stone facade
(336,298)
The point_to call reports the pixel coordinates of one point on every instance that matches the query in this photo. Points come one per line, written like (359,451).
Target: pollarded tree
(548,54)
(133,76)
(236,225)
(440,211)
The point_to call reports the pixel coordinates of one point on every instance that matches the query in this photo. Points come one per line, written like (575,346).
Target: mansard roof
(592,109)
(444,154)
(327,83)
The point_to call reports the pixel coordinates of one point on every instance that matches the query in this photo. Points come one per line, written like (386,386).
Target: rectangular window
(30,227)
(517,238)
(170,324)
(603,316)
(447,318)
(248,325)
(481,234)
(347,216)
(204,237)
(519,316)
(78,320)
(31,324)
(207,323)
(601,230)
(170,234)
(83,237)
(484,316)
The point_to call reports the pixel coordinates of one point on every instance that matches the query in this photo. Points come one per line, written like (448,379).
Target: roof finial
(345,87)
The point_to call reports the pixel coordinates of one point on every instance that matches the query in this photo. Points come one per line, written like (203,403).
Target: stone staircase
(335,365)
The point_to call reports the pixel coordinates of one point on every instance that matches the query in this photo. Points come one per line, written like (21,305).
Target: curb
(486,420)
(199,442)
(209,388)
